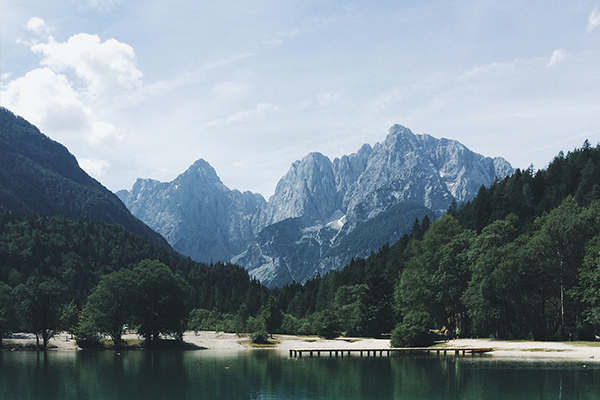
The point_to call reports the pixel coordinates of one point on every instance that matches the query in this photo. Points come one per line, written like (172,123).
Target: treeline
(79,253)
(529,194)
(60,262)
(519,261)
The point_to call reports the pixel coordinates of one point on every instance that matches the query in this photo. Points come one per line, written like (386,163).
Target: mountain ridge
(306,226)
(39,176)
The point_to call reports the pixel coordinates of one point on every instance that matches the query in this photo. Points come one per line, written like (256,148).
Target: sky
(142,89)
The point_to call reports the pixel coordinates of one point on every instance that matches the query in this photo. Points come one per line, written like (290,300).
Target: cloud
(95,168)
(37,25)
(103,134)
(259,111)
(557,56)
(492,69)
(593,20)
(46,99)
(49,101)
(226,61)
(75,77)
(105,67)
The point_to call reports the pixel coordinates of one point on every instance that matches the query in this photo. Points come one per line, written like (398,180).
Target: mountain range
(322,212)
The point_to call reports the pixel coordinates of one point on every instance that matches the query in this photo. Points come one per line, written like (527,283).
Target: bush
(86,334)
(260,337)
(413,330)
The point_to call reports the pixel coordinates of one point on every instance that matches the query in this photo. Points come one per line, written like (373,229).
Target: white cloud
(557,56)
(37,25)
(103,134)
(46,99)
(492,69)
(259,111)
(105,67)
(226,61)
(593,20)
(76,76)
(49,101)
(95,168)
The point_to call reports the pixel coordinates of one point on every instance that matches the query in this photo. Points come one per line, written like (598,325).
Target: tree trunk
(45,337)
(116,338)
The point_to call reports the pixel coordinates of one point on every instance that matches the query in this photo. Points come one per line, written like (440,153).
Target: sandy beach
(582,351)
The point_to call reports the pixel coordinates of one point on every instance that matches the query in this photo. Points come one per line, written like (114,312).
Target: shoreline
(210,340)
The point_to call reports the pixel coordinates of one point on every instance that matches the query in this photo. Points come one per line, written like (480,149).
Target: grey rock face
(197,214)
(335,205)
(322,213)
(307,191)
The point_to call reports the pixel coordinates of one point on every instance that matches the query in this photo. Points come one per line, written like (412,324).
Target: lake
(269,374)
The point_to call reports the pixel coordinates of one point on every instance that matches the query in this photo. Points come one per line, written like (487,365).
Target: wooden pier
(388,352)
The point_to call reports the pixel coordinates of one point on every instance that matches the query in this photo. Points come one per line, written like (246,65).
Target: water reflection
(272,375)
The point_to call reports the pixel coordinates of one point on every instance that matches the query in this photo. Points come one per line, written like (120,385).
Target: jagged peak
(398,129)
(199,170)
(202,165)
(312,158)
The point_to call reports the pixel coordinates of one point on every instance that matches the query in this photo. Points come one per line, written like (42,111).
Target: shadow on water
(265,374)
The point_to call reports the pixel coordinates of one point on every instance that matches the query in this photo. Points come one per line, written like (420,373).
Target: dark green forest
(520,261)
(74,256)
(40,176)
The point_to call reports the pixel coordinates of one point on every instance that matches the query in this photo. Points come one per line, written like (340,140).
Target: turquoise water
(265,374)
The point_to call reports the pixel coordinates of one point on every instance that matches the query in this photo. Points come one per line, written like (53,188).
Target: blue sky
(145,88)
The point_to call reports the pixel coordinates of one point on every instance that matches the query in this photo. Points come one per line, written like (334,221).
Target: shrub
(260,337)
(413,330)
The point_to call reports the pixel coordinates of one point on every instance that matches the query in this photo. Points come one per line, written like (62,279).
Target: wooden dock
(388,352)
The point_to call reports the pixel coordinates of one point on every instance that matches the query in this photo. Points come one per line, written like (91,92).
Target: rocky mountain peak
(322,212)
(307,191)
(197,213)
(200,173)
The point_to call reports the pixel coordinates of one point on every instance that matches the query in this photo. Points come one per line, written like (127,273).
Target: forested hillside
(519,261)
(40,176)
(70,258)
(528,195)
